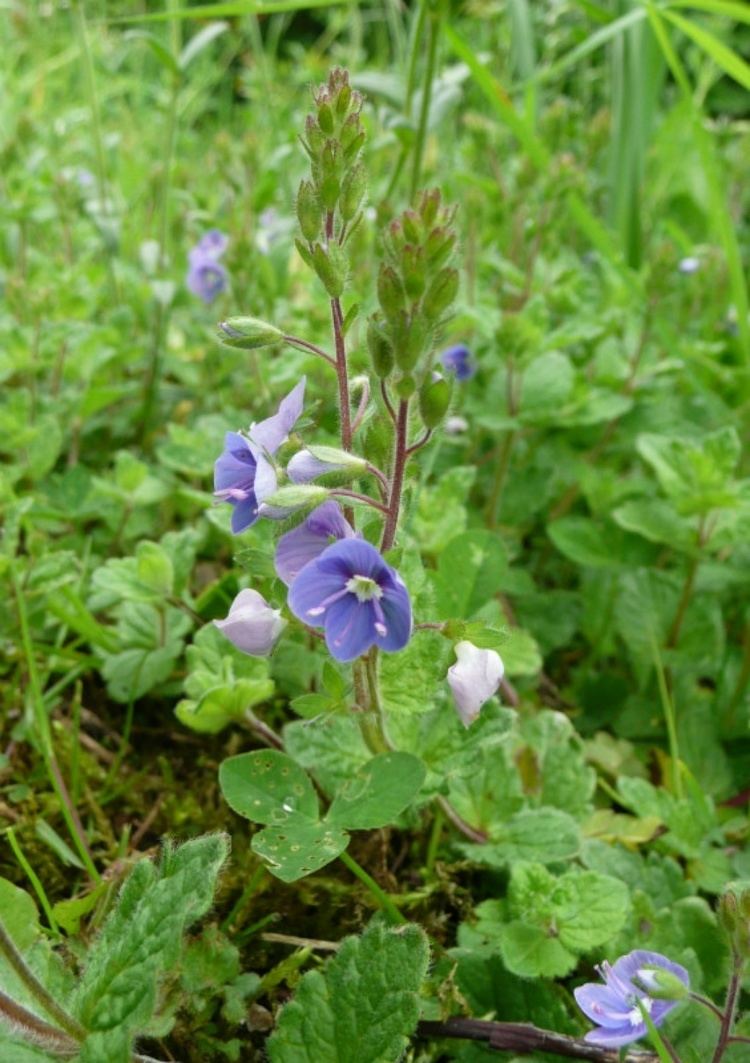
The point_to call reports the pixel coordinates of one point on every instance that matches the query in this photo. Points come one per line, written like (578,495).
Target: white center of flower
(635,1017)
(365,588)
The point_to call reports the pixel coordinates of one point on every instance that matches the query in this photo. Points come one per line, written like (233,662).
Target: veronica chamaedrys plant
(340,583)
(458,361)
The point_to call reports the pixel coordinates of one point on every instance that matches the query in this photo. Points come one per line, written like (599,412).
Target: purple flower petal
(615,1038)
(601,1005)
(272,432)
(310,589)
(396,606)
(349,628)
(304,543)
(206,278)
(458,360)
(212,244)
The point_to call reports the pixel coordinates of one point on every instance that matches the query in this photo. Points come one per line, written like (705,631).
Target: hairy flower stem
(400,457)
(35,1029)
(730,1008)
(342,374)
(35,987)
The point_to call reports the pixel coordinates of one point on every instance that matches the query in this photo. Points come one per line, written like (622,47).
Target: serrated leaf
(266,786)
(378,792)
(141,938)
(362,1007)
(542,835)
(547,385)
(531,952)
(297,845)
(583,541)
(656,520)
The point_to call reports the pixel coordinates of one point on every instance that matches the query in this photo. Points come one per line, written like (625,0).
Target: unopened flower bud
(414,271)
(434,400)
(352,137)
(309,464)
(660,984)
(412,226)
(315,136)
(380,349)
(331,266)
(415,340)
(247,333)
(252,625)
(439,245)
(325,118)
(406,386)
(473,679)
(391,295)
(429,206)
(441,293)
(353,188)
(309,211)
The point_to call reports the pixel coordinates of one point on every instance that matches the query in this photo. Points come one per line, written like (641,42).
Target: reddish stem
(397,479)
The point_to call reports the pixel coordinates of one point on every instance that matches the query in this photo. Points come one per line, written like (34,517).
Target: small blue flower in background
(458,360)
(207,277)
(614,1005)
(243,474)
(356,597)
(689,265)
(303,544)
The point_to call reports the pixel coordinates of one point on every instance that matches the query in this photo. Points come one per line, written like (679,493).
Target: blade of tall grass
(597,40)
(718,207)
(729,61)
(539,155)
(728,8)
(225,10)
(636,74)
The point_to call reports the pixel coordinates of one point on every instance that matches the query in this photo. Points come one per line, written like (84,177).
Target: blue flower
(243,474)
(306,542)
(615,1005)
(458,360)
(356,597)
(207,277)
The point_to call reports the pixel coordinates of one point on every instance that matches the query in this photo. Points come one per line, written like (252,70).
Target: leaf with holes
(266,786)
(378,792)
(298,845)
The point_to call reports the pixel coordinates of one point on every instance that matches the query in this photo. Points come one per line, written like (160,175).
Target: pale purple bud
(252,625)
(473,679)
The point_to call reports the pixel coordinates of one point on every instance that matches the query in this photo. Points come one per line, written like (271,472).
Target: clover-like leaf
(266,786)
(378,792)
(298,845)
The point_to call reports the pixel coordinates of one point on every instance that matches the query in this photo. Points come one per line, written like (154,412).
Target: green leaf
(410,680)
(441,510)
(378,792)
(541,835)
(470,572)
(531,952)
(222,683)
(520,653)
(696,474)
(547,386)
(362,1007)
(332,747)
(547,921)
(584,542)
(266,786)
(297,846)
(117,991)
(730,61)
(656,520)
(150,641)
